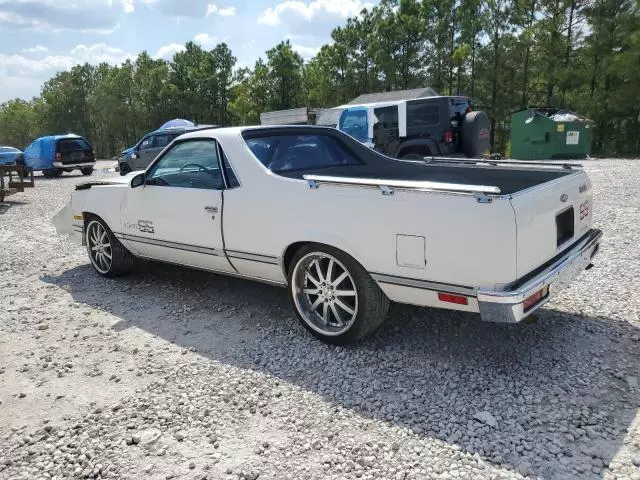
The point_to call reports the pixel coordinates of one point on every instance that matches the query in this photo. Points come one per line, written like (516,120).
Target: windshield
(354,123)
(9,150)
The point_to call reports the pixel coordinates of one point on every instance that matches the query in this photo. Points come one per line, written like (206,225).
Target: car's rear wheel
(86,171)
(107,255)
(52,172)
(334,297)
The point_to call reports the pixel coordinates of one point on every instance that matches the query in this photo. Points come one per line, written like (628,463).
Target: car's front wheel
(52,172)
(334,297)
(124,168)
(107,255)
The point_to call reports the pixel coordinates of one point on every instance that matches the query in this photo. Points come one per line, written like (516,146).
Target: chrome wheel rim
(99,246)
(324,293)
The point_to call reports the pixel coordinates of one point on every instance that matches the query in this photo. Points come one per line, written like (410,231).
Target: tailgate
(550,218)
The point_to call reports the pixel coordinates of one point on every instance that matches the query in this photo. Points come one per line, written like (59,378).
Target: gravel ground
(171,373)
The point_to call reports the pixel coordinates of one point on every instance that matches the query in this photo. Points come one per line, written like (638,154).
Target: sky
(41,37)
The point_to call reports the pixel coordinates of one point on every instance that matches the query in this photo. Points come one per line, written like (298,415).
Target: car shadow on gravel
(8,204)
(553,399)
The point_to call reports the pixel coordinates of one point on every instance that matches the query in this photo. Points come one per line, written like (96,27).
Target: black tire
(124,169)
(52,172)
(86,171)
(476,134)
(369,306)
(122,261)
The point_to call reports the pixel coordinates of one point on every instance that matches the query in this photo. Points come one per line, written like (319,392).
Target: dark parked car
(148,147)
(56,154)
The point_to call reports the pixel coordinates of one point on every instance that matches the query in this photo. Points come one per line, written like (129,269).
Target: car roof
(227,132)
(184,129)
(59,137)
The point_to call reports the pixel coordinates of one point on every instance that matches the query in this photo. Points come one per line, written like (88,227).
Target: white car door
(176,215)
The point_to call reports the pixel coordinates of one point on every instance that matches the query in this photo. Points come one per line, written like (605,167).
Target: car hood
(110,181)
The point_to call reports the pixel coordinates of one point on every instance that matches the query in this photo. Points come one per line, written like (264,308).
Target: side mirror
(138,180)
(133,155)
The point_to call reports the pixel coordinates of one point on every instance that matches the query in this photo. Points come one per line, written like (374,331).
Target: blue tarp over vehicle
(178,122)
(41,153)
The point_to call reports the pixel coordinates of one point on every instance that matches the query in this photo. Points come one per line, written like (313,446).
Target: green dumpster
(545,133)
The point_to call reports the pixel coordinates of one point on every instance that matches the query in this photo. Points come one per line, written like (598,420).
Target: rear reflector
(448,136)
(451,298)
(530,302)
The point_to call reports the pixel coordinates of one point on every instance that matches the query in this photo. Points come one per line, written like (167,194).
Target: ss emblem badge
(145,226)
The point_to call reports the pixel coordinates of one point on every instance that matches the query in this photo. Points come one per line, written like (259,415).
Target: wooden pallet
(14,179)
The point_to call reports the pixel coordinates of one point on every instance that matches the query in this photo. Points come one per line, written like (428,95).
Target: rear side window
(67,145)
(288,152)
(387,117)
(422,114)
(164,140)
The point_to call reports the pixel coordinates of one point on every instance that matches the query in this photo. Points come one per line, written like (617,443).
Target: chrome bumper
(507,305)
(73,165)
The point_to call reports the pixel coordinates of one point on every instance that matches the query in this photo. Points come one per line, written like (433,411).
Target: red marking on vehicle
(584,210)
(451,298)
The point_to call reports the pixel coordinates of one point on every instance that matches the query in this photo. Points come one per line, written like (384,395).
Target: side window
(420,114)
(163,140)
(188,164)
(232,180)
(146,143)
(288,152)
(387,117)
(354,122)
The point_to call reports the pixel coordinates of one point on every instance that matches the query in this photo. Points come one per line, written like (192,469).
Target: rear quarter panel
(466,243)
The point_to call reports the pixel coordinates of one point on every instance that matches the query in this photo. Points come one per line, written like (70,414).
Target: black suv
(445,126)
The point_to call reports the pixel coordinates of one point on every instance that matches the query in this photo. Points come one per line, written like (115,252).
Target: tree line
(505,54)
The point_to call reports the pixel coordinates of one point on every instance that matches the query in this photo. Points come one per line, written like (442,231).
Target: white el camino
(344,228)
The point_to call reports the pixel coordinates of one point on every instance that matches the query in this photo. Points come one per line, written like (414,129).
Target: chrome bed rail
(387,185)
(495,162)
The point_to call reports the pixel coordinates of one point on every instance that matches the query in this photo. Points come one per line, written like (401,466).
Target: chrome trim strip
(167,244)
(403,184)
(221,272)
(424,284)
(255,257)
(506,305)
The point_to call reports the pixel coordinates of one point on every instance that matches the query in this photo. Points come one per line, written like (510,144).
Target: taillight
(469,109)
(451,298)
(448,136)
(58,156)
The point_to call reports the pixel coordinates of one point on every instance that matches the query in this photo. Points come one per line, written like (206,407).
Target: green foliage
(505,54)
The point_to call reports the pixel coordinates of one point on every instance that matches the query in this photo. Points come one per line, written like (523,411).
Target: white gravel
(171,373)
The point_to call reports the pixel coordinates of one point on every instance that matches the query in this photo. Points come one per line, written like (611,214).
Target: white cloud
(16,65)
(293,11)
(168,51)
(99,53)
(36,49)
(205,39)
(305,52)
(88,16)
(127,6)
(212,8)
(227,12)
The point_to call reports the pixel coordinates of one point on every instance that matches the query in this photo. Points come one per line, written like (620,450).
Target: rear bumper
(508,305)
(73,165)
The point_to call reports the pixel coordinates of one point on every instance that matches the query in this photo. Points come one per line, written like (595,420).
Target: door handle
(211,209)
